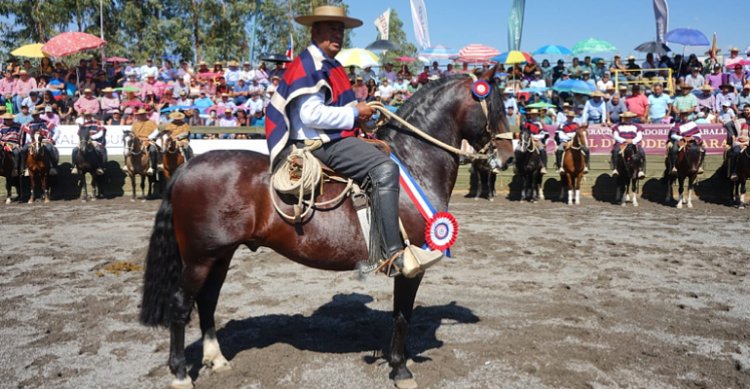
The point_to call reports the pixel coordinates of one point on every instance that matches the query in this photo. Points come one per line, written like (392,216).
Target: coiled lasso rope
(299,176)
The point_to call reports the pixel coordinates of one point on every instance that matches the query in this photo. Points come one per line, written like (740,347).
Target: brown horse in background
(573,163)
(136,163)
(191,246)
(688,161)
(38,162)
(172,157)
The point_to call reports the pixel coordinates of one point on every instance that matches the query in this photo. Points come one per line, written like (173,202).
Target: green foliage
(207,30)
(397,35)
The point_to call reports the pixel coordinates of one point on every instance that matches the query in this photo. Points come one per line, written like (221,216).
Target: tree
(397,35)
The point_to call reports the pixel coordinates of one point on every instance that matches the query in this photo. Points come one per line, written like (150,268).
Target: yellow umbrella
(33,50)
(357,57)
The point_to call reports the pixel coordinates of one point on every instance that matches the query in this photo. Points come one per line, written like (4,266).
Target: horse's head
(35,148)
(83,138)
(487,127)
(128,140)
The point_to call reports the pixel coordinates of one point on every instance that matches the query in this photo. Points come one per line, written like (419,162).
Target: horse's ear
(489,75)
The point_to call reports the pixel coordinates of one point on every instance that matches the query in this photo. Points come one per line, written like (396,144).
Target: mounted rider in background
(564,134)
(624,133)
(535,128)
(147,131)
(684,130)
(178,130)
(97,135)
(11,139)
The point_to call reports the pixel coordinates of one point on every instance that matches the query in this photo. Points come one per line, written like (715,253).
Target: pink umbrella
(69,43)
(475,52)
(404,59)
(117,59)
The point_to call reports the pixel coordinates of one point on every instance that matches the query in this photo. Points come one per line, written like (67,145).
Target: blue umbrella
(553,50)
(687,37)
(437,52)
(536,90)
(574,86)
(177,108)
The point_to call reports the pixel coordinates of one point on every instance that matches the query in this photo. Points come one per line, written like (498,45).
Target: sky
(625,24)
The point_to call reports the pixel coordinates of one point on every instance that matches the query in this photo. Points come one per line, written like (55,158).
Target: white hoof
(409,383)
(679,205)
(185,383)
(635,203)
(690,205)
(7,201)
(218,364)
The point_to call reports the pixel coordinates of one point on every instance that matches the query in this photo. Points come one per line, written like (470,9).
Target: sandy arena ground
(538,296)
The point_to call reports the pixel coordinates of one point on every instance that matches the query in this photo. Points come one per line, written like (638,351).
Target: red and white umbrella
(477,53)
(69,43)
(117,59)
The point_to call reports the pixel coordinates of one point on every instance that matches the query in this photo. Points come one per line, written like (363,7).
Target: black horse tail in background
(163,273)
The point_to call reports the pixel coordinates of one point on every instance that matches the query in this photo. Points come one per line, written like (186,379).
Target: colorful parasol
(69,43)
(33,50)
(475,53)
(357,57)
(513,57)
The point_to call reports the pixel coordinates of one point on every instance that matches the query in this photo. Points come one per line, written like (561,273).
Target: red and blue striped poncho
(311,72)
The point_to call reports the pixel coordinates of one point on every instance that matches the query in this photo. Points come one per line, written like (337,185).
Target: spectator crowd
(236,95)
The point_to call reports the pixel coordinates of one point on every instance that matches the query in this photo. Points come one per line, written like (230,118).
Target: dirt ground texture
(537,296)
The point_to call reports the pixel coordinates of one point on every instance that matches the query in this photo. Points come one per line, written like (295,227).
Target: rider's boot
(587,154)
(73,156)
(613,163)
(385,193)
(153,162)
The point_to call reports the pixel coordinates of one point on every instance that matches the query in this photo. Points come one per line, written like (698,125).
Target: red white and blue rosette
(441,231)
(441,227)
(480,89)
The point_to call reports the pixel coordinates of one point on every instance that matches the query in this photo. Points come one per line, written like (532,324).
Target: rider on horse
(147,131)
(564,135)
(11,139)
(624,133)
(314,107)
(97,136)
(180,132)
(684,130)
(535,128)
(738,138)
(49,136)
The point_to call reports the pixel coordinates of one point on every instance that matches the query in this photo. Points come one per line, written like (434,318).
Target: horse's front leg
(742,194)
(8,191)
(634,186)
(680,190)
(404,293)
(45,187)
(32,187)
(691,184)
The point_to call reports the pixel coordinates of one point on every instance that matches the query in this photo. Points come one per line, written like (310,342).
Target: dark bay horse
(6,171)
(482,180)
(628,165)
(88,161)
(529,165)
(137,163)
(38,161)
(172,157)
(573,163)
(688,161)
(743,173)
(221,200)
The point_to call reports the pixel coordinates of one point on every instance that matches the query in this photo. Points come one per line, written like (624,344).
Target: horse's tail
(163,273)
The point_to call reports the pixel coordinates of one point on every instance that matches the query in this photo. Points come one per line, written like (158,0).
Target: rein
(388,115)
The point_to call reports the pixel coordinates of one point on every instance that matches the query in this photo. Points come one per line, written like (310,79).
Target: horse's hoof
(132,200)
(46,200)
(679,205)
(690,205)
(185,383)
(408,383)
(143,200)
(7,201)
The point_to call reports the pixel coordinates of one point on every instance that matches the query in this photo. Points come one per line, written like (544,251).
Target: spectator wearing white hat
(148,69)
(509,95)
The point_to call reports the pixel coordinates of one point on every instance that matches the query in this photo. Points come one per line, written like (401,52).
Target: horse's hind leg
(404,293)
(207,300)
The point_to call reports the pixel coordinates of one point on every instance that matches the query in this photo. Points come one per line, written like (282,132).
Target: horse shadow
(551,188)
(655,190)
(604,188)
(716,189)
(343,325)
(64,186)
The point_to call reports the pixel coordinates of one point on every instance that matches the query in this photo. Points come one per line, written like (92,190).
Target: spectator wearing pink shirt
(87,103)
(7,86)
(22,87)
(150,86)
(637,103)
